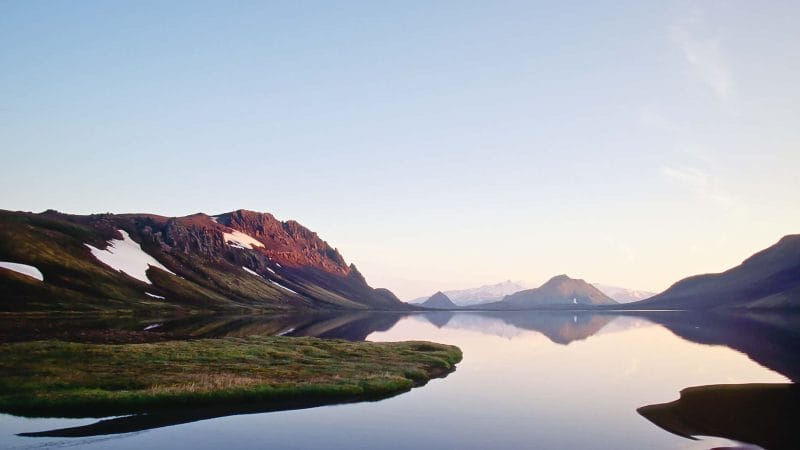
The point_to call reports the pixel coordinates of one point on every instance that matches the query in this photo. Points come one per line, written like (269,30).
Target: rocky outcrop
(237,259)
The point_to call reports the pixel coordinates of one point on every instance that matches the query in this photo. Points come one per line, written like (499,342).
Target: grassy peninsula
(67,379)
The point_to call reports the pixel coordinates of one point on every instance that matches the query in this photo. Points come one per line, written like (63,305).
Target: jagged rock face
(238,259)
(190,237)
(287,242)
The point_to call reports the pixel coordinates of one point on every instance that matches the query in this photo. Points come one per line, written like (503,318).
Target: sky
(437,145)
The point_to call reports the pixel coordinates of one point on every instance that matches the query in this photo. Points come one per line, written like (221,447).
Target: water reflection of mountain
(761,414)
(349,326)
(438,319)
(559,327)
(771,340)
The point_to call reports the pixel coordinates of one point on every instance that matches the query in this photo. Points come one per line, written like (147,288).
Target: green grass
(54,378)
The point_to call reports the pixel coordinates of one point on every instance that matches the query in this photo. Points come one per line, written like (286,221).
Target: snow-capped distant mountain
(623,295)
(483,294)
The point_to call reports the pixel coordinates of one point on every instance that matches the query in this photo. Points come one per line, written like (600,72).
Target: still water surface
(528,380)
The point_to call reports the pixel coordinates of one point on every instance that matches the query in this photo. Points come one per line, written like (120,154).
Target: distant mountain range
(144,262)
(559,291)
(623,295)
(768,279)
(495,292)
(478,295)
(250,261)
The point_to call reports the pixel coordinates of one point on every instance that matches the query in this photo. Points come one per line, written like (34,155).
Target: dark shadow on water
(177,416)
(352,326)
(439,319)
(761,414)
(770,339)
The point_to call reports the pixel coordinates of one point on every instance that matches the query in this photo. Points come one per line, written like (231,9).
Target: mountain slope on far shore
(439,301)
(768,279)
(145,262)
(559,291)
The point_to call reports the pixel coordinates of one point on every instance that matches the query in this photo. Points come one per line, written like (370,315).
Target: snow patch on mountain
(623,295)
(23,269)
(252,272)
(237,239)
(127,256)
(483,294)
(282,286)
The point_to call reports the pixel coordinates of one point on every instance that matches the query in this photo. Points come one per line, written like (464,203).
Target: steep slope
(768,279)
(483,294)
(439,301)
(241,259)
(559,291)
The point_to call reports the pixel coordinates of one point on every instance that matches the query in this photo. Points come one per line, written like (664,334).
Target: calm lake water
(528,380)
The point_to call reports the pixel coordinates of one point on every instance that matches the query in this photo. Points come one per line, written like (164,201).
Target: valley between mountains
(250,261)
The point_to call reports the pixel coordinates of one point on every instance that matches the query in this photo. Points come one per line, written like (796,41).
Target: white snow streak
(252,272)
(285,332)
(281,286)
(23,269)
(237,239)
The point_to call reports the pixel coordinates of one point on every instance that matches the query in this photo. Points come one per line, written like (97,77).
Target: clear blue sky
(438,145)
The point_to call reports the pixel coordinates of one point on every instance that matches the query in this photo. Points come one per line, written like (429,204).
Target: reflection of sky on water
(516,388)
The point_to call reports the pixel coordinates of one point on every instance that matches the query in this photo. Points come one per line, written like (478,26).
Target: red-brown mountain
(768,279)
(241,259)
(560,291)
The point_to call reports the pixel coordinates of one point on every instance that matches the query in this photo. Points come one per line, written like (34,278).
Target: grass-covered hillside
(142,262)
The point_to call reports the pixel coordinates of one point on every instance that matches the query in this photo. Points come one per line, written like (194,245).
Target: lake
(527,380)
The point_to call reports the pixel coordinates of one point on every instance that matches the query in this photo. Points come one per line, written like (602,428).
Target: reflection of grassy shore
(54,378)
